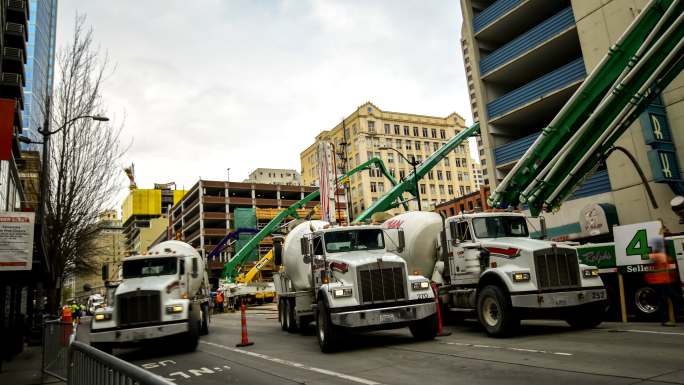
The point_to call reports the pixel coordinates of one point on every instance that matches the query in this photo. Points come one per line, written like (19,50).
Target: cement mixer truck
(164,293)
(349,279)
(487,264)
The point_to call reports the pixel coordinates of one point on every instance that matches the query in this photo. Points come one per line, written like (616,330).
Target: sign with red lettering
(16,240)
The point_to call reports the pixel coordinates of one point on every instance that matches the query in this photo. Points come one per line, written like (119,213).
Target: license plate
(387,317)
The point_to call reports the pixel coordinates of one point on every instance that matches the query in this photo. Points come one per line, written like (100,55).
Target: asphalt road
(545,352)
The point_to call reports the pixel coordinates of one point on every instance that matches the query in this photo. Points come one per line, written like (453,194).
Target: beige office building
(363,133)
(523,60)
(280,176)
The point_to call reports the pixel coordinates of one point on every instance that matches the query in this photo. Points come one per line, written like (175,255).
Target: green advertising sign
(602,256)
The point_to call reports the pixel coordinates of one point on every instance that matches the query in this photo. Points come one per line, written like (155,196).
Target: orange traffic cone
(440,324)
(245,339)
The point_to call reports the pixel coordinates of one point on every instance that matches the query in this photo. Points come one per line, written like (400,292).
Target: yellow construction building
(145,215)
(368,131)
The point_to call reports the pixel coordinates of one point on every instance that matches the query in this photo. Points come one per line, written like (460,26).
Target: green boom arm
(387,201)
(229,269)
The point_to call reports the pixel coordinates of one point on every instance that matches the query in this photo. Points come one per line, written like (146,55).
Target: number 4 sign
(634,243)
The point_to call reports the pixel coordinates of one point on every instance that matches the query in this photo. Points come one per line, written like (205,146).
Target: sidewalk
(25,369)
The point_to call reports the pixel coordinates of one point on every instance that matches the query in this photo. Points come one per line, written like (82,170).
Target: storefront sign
(16,240)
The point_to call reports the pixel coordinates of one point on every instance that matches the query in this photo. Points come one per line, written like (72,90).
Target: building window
(415,131)
(485,172)
(462,190)
(427,146)
(432,189)
(434,132)
(408,144)
(459,177)
(425,132)
(431,175)
(381,187)
(398,144)
(390,158)
(467,189)
(483,162)
(371,126)
(441,189)
(406,130)
(387,129)
(419,158)
(442,134)
(448,175)
(391,171)
(397,130)
(439,175)
(373,187)
(450,189)
(402,174)
(417,145)
(435,146)
(354,130)
(422,189)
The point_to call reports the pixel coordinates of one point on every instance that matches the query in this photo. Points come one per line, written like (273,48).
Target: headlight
(520,276)
(103,316)
(422,285)
(174,309)
(337,293)
(590,273)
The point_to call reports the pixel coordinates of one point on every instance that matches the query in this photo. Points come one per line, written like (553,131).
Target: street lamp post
(413,163)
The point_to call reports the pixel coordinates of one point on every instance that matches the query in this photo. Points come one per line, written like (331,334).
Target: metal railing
(88,365)
(56,339)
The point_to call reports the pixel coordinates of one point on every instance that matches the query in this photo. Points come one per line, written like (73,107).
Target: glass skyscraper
(40,64)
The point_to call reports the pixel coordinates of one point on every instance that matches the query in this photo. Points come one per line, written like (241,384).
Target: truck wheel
(495,312)
(102,346)
(290,315)
(326,333)
(192,336)
(282,314)
(588,317)
(424,329)
(646,302)
(204,330)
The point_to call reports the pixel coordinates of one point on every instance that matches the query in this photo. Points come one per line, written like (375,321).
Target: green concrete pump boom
(388,201)
(229,269)
(646,58)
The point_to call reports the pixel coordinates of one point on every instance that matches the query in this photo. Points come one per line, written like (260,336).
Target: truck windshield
(339,241)
(150,267)
(497,227)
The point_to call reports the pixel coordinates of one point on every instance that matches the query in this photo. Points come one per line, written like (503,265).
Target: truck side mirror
(453,228)
(542,224)
(105,272)
(306,259)
(304,243)
(277,253)
(194,268)
(402,241)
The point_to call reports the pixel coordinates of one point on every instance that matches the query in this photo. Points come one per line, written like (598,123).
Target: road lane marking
(506,348)
(295,364)
(654,332)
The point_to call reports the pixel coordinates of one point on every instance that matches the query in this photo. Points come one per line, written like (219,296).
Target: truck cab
(162,293)
(491,255)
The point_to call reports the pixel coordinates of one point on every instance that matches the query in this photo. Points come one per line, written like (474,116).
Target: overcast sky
(211,84)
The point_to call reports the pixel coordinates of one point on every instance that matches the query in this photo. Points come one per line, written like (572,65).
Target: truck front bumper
(382,316)
(560,299)
(139,333)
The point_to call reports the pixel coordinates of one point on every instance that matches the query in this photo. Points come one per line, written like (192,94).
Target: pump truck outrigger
(349,278)
(164,293)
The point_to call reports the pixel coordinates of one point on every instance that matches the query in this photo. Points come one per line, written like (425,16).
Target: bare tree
(83,155)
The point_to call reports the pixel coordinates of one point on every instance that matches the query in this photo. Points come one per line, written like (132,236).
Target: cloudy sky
(210,84)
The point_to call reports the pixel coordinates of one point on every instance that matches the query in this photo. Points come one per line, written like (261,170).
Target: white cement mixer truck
(487,263)
(349,278)
(164,293)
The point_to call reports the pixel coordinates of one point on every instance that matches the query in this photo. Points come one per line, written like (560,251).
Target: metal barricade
(56,338)
(88,365)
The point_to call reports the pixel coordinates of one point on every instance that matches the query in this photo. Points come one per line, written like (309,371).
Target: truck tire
(424,329)
(328,335)
(290,315)
(645,302)
(192,336)
(204,330)
(495,312)
(104,347)
(587,317)
(282,317)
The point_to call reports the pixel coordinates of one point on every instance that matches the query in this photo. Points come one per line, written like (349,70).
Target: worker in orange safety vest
(663,278)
